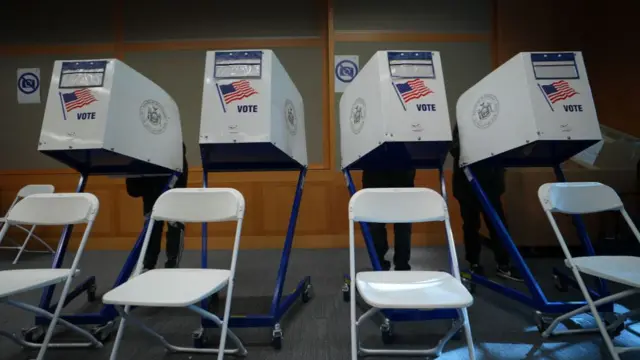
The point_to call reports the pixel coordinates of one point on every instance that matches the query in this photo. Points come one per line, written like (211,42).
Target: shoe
(386,265)
(508,272)
(406,267)
(171,264)
(476,269)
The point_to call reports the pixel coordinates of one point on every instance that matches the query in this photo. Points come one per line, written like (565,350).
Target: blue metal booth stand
(94,162)
(399,156)
(256,157)
(538,154)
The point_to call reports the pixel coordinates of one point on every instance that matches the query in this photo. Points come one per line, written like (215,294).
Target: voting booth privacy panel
(253,120)
(251,112)
(394,113)
(104,118)
(536,110)
(394,116)
(100,112)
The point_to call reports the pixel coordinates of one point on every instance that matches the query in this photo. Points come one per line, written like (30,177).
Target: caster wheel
(387,337)
(387,334)
(307,294)
(471,287)
(91,293)
(104,332)
(560,284)
(199,339)
(34,335)
(541,322)
(346,292)
(276,340)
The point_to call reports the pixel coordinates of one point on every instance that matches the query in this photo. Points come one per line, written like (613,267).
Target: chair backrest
(579,198)
(36,189)
(198,205)
(397,205)
(54,209)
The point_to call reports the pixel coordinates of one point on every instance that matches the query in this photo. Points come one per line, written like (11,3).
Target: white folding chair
(422,290)
(184,287)
(588,198)
(48,209)
(24,192)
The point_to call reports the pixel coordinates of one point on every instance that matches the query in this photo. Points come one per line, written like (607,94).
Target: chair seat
(168,287)
(621,269)
(412,290)
(14,282)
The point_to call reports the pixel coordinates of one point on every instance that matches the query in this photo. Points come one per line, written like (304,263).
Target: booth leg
(104,318)
(58,259)
(204,261)
(393,315)
(279,304)
(538,299)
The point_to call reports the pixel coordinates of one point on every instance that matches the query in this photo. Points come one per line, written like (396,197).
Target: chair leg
(225,320)
(54,319)
(119,334)
(24,244)
(354,323)
(596,315)
(467,333)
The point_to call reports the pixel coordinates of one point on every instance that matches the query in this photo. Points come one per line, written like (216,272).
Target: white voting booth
(251,111)
(536,110)
(104,118)
(394,116)
(253,120)
(394,113)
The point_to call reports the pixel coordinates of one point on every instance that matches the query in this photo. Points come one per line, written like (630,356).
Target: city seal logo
(485,111)
(358,114)
(153,117)
(290,117)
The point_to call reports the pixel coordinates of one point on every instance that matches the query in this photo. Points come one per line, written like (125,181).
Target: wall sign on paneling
(28,86)
(347,67)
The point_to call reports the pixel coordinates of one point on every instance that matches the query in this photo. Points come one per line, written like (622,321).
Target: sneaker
(476,269)
(508,272)
(171,264)
(386,265)
(403,267)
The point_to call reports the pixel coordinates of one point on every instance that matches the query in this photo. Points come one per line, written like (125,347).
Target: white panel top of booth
(394,114)
(252,114)
(534,110)
(103,117)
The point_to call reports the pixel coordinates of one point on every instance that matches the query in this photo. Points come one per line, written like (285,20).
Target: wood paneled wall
(604,32)
(322,221)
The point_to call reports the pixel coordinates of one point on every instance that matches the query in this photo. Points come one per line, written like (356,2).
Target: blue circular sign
(346,71)
(28,83)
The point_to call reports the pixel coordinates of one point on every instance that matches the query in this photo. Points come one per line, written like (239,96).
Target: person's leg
(153,249)
(379,237)
(504,268)
(402,247)
(470,213)
(175,244)
(377,179)
(402,232)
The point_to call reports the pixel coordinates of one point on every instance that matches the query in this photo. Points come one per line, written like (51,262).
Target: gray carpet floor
(319,329)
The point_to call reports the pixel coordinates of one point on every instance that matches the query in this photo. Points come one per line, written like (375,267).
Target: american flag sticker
(76,100)
(557,91)
(411,90)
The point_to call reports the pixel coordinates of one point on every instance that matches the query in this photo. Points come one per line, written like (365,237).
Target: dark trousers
(175,244)
(470,209)
(402,232)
